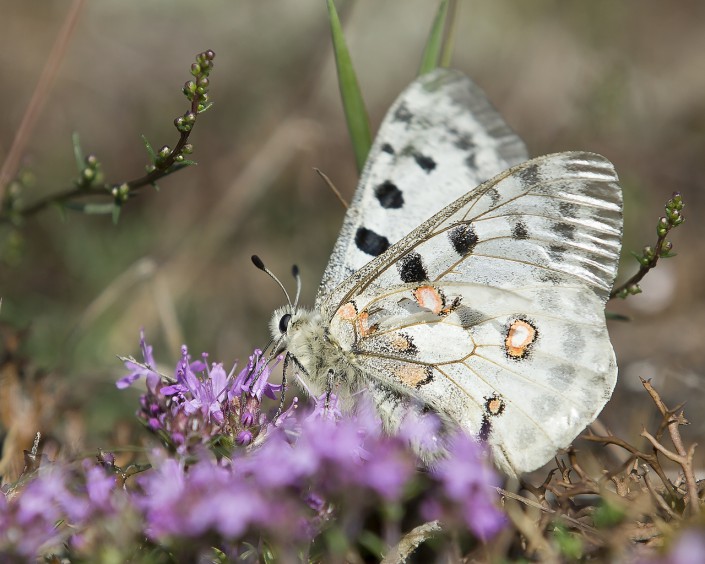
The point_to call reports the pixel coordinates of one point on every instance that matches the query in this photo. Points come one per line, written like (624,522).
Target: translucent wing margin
(492,312)
(440,139)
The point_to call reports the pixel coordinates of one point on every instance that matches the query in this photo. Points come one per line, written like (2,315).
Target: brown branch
(651,459)
(530,503)
(643,269)
(657,497)
(682,457)
(162,168)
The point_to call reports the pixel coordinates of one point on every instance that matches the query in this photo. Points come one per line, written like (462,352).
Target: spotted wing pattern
(440,139)
(492,312)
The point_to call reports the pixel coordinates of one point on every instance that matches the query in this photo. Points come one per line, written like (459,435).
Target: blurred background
(623,79)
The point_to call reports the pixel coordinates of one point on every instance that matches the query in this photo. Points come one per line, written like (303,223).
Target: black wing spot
(568,209)
(370,242)
(470,162)
(426,163)
(485,429)
(387,148)
(530,175)
(389,195)
(470,317)
(463,239)
(411,268)
(403,114)
(494,407)
(464,143)
(566,230)
(557,253)
(520,231)
(494,195)
(427,380)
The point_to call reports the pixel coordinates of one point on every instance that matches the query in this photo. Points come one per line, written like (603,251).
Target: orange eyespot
(347,311)
(520,336)
(429,298)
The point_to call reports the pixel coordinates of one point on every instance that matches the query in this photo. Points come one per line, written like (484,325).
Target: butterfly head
(285,318)
(280,324)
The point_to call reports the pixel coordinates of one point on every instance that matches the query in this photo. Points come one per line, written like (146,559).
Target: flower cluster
(312,478)
(202,404)
(60,505)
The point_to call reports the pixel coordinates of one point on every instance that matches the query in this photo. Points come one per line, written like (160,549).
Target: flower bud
(247,419)
(244,438)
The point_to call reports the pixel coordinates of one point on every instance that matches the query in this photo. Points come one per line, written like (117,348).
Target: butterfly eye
(284,322)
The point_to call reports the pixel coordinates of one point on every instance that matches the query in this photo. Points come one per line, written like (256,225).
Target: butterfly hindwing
(492,312)
(440,139)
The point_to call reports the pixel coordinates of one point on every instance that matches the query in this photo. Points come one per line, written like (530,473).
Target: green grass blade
(432,51)
(449,43)
(353,104)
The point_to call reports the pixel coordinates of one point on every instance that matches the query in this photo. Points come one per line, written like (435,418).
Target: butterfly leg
(282,396)
(329,387)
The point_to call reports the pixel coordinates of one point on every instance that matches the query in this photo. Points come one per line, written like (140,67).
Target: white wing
(492,311)
(440,139)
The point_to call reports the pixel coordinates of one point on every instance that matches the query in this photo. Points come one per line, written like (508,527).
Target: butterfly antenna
(259,264)
(297,276)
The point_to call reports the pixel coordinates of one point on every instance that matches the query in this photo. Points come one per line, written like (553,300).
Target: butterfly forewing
(492,311)
(440,139)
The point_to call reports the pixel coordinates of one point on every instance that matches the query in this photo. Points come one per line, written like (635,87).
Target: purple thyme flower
(136,371)
(28,522)
(204,402)
(205,394)
(469,483)
(258,368)
(688,548)
(187,503)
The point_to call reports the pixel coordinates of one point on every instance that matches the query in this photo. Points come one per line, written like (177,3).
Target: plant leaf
(90,208)
(432,51)
(150,149)
(614,316)
(78,152)
(353,104)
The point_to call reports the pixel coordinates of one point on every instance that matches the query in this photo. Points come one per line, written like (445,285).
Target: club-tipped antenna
(259,264)
(297,276)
